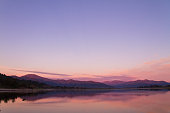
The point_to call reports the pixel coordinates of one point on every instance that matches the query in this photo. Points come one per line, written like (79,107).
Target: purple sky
(82,36)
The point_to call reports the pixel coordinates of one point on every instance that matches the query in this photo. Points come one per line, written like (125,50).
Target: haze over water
(89,101)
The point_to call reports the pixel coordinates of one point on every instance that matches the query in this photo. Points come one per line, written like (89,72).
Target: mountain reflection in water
(111,95)
(130,101)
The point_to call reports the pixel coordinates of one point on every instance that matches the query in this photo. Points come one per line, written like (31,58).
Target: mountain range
(93,84)
(63,83)
(136,84)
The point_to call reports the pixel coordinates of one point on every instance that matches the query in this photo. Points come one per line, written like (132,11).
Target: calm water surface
(89,101)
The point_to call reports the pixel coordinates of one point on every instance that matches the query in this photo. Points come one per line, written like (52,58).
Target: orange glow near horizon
(155,70)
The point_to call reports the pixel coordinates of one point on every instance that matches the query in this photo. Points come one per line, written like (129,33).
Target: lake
(86,101)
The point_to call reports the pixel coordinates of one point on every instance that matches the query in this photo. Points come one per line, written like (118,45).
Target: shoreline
(25,90)
(83,89)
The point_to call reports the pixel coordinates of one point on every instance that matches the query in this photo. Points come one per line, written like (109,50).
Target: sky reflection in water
(89,101)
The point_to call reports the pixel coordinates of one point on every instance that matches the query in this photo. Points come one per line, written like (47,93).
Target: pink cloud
(101,78)
(156,69)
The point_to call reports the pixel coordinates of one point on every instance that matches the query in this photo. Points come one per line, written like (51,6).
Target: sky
(86,39)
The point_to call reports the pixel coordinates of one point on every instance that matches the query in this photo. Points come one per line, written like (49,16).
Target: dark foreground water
(87,101)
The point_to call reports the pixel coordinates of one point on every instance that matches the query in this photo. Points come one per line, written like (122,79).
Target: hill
(13,83)
(65,83)
(137,83)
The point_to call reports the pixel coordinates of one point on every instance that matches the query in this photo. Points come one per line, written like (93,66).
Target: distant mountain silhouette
(112,83)
(137,83)
(13,83)
(65,83)
(92,84)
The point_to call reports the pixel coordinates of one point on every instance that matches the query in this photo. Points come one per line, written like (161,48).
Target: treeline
(154,86)
(8,82)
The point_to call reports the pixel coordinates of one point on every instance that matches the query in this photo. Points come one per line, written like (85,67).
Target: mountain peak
(32,76)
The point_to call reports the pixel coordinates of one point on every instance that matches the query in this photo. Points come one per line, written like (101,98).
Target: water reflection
(12,96)
(111,95)
(97,101)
